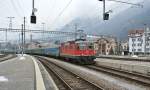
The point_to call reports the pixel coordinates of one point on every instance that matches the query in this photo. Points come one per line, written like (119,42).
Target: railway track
(139,78)
(66,80)
(6,57)
(1,56)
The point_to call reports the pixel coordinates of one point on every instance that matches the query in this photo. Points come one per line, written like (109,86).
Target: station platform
(21,73)
(142,58)
(131,66)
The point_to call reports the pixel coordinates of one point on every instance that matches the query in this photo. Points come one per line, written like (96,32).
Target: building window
(133,44)
(134,50)
(147,49)
(139,50)
(125,48)
(107,51)
(133,39)
(139,44)
(108,46)
(147,44)
(139,39)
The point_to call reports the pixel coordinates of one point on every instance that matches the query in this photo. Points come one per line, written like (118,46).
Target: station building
(106,46)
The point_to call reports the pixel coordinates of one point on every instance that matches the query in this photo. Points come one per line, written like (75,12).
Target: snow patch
(3,79)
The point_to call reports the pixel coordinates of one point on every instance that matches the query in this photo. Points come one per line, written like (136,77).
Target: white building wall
(130,44)
(137,47)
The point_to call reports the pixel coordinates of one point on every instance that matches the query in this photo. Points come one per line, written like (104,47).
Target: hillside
(131,18)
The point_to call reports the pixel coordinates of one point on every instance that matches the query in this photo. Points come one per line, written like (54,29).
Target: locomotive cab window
(82,46)
(91,46)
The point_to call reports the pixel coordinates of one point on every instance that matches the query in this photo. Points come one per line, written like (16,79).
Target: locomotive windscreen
(85,45)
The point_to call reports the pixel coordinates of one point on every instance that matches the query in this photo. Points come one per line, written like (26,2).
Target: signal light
(33,19)
(106,16)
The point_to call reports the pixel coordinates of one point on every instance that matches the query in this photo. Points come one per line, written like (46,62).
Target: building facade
(125,47)
(106,46)
(139,41)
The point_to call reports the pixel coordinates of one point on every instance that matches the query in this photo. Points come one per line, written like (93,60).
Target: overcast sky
(49,11)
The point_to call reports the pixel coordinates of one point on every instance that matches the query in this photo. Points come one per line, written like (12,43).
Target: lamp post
(133,47)
(43,26)
(145,35)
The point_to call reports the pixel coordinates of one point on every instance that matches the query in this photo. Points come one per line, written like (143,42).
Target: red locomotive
(81,52)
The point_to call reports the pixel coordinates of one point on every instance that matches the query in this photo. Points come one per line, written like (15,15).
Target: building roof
(131,32)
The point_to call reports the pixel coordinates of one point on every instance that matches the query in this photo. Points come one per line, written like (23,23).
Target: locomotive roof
(78,42)
(84,42)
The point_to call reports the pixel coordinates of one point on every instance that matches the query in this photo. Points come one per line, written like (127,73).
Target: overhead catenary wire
(15,8)
(62,11)
(127,3)
(52,7)
(3,3)
(20,6)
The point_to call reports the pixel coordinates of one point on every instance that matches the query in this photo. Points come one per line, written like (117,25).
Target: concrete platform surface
(146,58)
(132,66)
(17,74)
(48,80)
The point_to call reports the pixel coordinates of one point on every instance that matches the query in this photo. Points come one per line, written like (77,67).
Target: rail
(70,80)
(143,79)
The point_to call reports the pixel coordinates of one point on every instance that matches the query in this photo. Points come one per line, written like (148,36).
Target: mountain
(130,18)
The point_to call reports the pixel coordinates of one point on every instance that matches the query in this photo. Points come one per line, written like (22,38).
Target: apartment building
(139,41)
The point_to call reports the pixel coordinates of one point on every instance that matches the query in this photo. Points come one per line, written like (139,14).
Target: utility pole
(103,9)
(22,43)
(10,26)
(6,36)
(31,38)
(24,35)
(33,17)
(19,42)
(43,25)
(145,35)
(133,49)
(76,28)
(10,22)
(106,14)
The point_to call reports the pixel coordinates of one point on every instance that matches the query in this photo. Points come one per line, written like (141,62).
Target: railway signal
(33,17)
(106,14)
